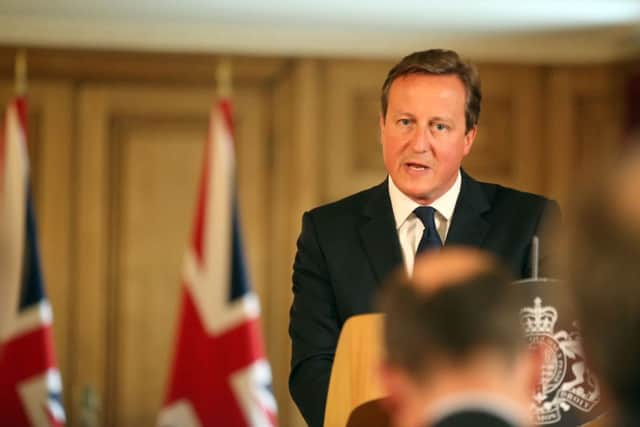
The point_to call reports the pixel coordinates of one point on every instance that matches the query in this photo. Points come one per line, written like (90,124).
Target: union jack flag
(30,384)
(220,376)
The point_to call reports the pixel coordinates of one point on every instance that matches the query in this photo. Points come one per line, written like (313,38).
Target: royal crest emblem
(565,381)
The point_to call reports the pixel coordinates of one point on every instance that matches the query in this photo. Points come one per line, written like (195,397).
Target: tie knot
(426,215)
(430,238)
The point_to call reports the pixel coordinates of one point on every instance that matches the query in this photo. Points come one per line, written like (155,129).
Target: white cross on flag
(220,376)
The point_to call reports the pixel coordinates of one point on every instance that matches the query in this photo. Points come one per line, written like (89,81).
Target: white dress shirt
(409,226)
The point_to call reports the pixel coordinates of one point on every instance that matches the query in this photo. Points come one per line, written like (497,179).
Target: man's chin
(420,195)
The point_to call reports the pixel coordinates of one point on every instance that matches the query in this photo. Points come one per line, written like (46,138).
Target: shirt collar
(403,206)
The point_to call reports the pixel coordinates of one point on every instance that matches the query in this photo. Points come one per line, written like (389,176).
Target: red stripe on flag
(21,108)
(227,115)
(53,422)
(23,357)
(269,414)
(198,233)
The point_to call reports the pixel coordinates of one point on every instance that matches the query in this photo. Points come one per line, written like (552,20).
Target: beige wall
(116,141)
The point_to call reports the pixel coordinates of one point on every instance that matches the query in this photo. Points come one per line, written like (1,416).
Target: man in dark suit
(428,122)
(455,353)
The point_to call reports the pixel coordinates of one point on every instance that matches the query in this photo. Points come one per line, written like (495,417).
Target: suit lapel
(468,226)
(378,233)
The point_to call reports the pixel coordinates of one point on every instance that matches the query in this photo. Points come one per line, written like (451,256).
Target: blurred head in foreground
(454,345)
(604,274)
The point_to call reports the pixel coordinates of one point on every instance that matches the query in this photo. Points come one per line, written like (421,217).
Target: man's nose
(420,140)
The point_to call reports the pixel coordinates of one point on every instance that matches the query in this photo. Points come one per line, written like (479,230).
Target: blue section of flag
(32,289)
(239,276)
(269,387)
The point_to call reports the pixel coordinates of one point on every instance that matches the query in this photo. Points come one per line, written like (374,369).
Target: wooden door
(139,156)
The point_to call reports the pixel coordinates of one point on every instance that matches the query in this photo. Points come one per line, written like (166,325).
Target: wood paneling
(352,159)
(508,147)
(142,67)
(154,173)
(584,121)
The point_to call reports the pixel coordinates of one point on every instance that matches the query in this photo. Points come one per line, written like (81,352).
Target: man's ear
(393,383)
(386,375)
(469,137)
(381,123)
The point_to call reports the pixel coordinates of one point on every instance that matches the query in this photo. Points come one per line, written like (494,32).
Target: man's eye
(441,126)
(404,122)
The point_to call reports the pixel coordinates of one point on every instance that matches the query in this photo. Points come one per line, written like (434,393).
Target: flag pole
(223,78)
(21,72)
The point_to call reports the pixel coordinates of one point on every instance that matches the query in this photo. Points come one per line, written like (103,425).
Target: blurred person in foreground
(455,353)
(604,276)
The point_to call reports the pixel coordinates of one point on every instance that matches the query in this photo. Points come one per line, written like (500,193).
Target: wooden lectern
(355,391)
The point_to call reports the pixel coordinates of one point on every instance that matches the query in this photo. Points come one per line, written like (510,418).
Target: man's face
(423,134)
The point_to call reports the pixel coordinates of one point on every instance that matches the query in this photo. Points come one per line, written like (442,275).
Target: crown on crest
(537,319)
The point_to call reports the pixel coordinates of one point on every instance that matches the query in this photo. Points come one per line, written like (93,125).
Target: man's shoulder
(508,193)
(498,194)
(350,205)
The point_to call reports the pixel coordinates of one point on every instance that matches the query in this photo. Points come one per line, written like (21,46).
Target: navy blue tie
(430,237)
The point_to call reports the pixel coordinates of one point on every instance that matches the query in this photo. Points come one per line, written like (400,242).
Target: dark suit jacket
(472,418)
(348,247)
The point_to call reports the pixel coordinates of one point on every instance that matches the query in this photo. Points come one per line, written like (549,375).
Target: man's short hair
(604,267)
(479,312)
(439,62)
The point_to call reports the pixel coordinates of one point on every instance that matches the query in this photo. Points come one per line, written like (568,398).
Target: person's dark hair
(480,312)
(604,274)
(442,62)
